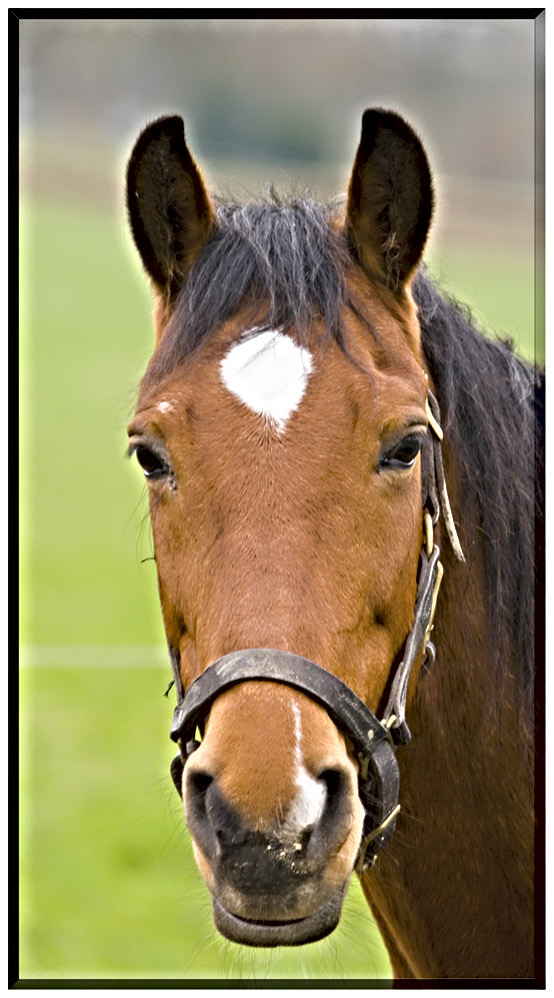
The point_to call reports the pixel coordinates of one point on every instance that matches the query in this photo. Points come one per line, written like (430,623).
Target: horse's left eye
(404,454)
(151,464)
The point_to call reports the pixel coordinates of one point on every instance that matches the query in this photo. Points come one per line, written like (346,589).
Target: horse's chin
(296,932)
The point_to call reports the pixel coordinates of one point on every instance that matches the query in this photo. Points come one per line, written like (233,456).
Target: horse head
(281,426)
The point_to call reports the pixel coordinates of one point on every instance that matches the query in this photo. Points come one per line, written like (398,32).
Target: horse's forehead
(270,374)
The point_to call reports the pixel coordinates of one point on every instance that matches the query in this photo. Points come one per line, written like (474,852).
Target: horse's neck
(453,890)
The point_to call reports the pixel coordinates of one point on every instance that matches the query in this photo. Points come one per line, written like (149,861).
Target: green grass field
(109,886)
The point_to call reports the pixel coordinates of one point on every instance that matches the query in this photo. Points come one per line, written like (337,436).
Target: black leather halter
(373,741)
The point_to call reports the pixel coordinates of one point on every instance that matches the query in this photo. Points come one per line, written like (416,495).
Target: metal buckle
(363,865)
(388,723)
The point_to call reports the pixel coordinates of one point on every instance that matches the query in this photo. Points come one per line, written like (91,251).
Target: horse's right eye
(403,455)
(151,464)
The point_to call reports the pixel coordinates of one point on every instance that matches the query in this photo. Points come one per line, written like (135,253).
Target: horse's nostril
(333,780)
(200,799)
(329,827)
(199,782)
(336,786)
(304,837)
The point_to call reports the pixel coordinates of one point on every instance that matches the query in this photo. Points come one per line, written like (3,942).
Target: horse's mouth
(295,932)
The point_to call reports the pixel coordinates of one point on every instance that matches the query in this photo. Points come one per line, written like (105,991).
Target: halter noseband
(374,741)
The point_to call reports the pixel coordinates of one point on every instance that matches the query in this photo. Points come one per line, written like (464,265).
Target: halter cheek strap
(430,577)
(374,741)
(435,501)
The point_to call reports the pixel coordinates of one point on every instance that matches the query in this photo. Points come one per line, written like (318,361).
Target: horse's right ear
(169,211)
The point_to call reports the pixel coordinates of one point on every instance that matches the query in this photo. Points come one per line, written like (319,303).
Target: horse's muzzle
(280,886)
(250,932)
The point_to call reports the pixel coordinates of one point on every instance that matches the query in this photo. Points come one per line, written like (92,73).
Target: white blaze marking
(167,406)
(309,802)
(269,373)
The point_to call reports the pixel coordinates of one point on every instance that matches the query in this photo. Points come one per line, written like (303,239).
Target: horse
(325,438)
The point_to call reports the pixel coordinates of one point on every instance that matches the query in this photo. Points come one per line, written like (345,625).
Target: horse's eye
(404,454)
(151,464)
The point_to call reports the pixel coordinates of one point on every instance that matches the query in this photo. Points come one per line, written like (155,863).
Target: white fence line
(94,656)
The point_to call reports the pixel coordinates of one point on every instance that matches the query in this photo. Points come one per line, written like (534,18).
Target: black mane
(492,407)
(286,252)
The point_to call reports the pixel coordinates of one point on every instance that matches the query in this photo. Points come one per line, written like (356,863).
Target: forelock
(283,257)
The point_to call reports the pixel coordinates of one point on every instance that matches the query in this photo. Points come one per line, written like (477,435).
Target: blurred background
(109,886)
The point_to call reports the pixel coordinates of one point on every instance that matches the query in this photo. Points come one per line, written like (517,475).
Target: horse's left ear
(169,210)
(390,199)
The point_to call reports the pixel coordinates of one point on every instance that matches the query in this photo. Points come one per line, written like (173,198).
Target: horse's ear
(169,211)
(390,199)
